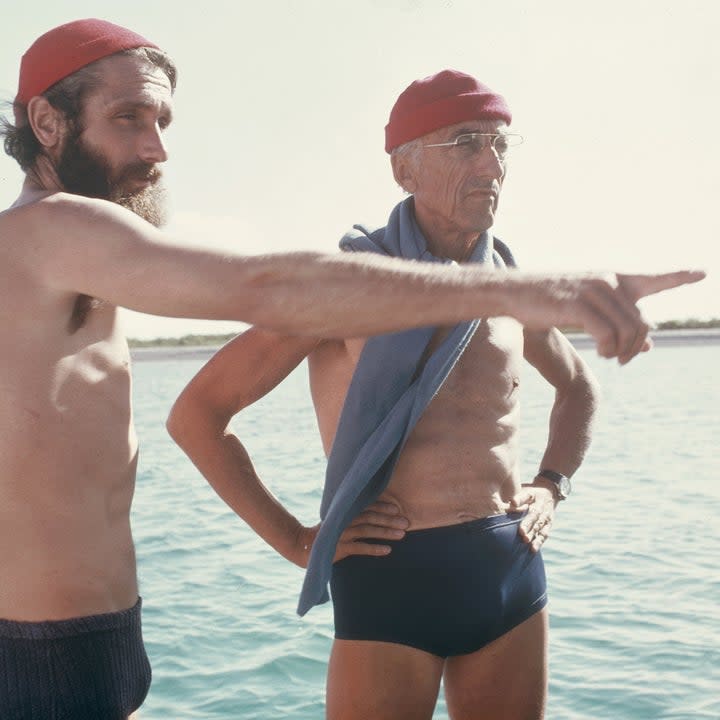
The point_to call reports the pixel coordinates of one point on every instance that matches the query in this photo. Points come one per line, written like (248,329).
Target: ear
(47,122)
(404,171)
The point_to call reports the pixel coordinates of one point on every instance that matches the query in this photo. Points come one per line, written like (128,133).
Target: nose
(489,163)
(152,146)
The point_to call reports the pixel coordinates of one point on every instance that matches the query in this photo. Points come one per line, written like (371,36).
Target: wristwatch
(561,482)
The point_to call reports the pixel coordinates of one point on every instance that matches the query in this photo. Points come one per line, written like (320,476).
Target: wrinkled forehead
(450,132)
(131,77)
(132,68)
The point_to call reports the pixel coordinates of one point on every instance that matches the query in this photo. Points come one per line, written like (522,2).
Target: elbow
(596,391)
(191,422)
(593,390)
(176,423)
(581,388)
(587,388)
(183,417)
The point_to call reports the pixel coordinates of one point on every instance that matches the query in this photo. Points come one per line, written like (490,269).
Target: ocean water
(632,562)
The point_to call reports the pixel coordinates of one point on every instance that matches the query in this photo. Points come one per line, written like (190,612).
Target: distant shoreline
(206,345)
(695,336)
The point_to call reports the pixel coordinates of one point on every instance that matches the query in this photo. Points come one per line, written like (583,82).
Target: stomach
(434,486)
(64,562)
(66,548)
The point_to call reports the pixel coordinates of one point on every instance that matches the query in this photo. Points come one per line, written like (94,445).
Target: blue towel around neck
(389,391)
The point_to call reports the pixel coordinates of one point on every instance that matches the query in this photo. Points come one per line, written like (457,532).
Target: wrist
(551,487)
(559,483)
(303,545)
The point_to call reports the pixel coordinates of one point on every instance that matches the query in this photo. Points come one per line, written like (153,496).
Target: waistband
(54,629)
(492,522)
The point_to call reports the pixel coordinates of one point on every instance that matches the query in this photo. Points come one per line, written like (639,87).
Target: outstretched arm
(242,372)
(104,251)
(571,419)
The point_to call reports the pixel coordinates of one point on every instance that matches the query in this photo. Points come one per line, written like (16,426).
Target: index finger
(637,286)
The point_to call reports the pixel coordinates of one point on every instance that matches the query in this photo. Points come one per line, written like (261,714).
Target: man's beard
(84,171)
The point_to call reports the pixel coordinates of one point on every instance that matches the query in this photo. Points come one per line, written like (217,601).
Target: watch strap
(560,481)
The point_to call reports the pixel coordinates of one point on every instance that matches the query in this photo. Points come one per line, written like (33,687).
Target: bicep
(99,249)
(554,357)
(244,370)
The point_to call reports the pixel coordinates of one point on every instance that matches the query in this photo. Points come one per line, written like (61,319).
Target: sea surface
(632,564)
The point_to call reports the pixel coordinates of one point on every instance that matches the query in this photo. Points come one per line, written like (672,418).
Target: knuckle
(606,336)
(609,280)
(600,283)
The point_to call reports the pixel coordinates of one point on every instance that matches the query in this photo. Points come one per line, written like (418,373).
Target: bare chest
(488,371)
(482,386)
(67,398)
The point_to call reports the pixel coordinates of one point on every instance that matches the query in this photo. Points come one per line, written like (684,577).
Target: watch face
(564,487)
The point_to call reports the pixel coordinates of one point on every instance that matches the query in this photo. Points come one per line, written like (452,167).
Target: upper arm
(239,374)
(552,354)
(97,248)
(92,246)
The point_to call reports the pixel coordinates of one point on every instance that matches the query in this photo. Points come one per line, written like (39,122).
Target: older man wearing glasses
(429,537)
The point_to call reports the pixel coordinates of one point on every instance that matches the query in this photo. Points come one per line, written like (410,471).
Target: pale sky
(277,142)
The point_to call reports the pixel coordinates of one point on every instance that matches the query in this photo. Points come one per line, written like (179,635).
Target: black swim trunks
(90,668)
(446,590)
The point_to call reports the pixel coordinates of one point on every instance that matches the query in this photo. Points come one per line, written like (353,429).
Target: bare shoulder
(33,284)
(73,218)
(26,231)
(333,361)
(54,204)
(259,345)
(244,370)
(333,352)
(68,241)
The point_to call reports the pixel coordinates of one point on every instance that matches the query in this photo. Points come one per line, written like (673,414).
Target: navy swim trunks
(447,590)
(90,668)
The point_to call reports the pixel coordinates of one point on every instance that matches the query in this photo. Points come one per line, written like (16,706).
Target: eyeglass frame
(454,143)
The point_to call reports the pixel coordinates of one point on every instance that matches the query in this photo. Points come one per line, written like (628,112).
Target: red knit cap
(440,100)
(65,49)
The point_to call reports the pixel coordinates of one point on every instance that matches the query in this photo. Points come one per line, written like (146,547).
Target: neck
(40,180)
(43,175)
(445,240)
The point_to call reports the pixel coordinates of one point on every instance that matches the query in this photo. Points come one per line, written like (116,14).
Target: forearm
(227,467)
(312,293)
(571,422)
(358,296)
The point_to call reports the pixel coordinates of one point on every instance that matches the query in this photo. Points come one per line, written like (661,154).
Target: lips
(137,181)
(141,174)
(484,190)
(488,194)
(149,178)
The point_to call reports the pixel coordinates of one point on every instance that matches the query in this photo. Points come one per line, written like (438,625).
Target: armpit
(84,305)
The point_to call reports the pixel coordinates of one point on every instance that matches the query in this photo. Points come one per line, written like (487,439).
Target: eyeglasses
(470,144)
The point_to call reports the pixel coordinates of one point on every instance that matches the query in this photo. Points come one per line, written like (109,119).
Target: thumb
(520,501)
(637,286)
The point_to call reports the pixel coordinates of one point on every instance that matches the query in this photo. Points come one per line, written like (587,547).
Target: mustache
(146,172)
(485,185)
